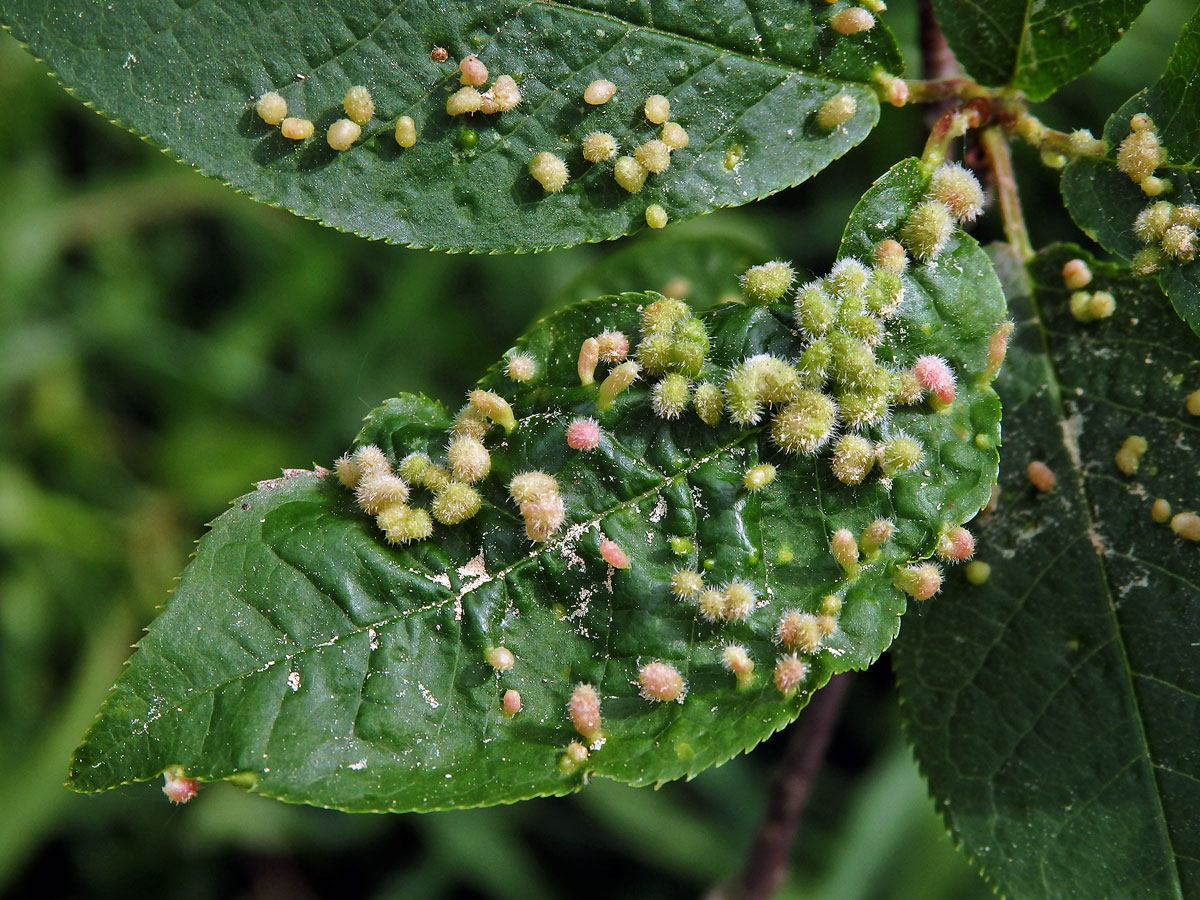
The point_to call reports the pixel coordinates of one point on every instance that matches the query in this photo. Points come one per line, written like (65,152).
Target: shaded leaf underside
(1055,709)
(744,79)
(331,668)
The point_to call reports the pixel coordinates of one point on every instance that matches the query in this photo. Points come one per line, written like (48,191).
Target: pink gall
(583,434)
(661,682)
(934,373)
(177,786)
(612,554)
(584,709)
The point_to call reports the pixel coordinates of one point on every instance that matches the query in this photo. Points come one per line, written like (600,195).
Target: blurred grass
(165,342)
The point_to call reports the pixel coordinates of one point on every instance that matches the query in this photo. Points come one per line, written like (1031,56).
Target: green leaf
(1054,708)
(1104,202)
(305,656)
(1033,47)
(745,82)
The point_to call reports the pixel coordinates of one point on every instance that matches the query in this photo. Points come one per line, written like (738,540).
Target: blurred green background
(165,342)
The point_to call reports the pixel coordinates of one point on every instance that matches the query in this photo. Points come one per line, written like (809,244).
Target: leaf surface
(745,81)
(1034,47)
(1054,708)
(305,656)
(1104,202)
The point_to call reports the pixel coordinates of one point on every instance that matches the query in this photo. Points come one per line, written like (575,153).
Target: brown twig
(766,863)
(938,64)
(999,156)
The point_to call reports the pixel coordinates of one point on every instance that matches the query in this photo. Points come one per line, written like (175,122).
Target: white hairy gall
(177,786)
(401,524)
(1192,403)
(686,584)
(657,109)
(845,551)
(852,21)
(470,422)
(920,582)
(660,682)
(853,458)
(599,92)
(347,471)
(1140,154)
(927,229)
(599,146)
(296,129)
(739,600)
(611,553)
(469,458)
(583,434)
(1129,457)
(358,105)
(629,174)
(711,603)
(1160,511)
(1179,242)
(805,424)
(789,674)
(528,486)
(758,477)
(736,659)
(875,536)
(613,346)
(1186,525)
(1151,223)
(768,282)
(978,572)
(455,503)
(654,156)
(549,171)
(472,71)
(799,631)
(958,190)
(464,100)
(584,709)
(891,256)
(934,373)
(543,516)
(506,95)
(1076,274)
(670,396)
(511,704)
(495,408)
(412,467)
(500,658)
(521,367)
(836,111)
(656,216)
(377,489)
(271,108)
(1040,476)
(956,545)
(406,132)
(617,381)
(674,136)
(342,134)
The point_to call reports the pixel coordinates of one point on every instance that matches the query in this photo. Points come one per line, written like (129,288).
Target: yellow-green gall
(663,315)
(599,146)
(799,631)
(890,256)
(472,71)
(470,422)
(907,389)
(736,659)
(403,524)
(899,453)
(1192,404)
(549,171)
(1186,525)
(958,190)
(837,111)
(831,605)
(469,458)
(375,490)
(406,132)
(1152,222)
(629,173)
(1101,305)
(739,600)
(758,477)
(500,658)
(709,403)
(805,424)
(526,486)
(1179,242)
(358,105)
(768,282)
(876,535)
(674,136)
(1187,214)
(1152,186)
(852,21)
(343,134)
(412,467)
(670,396)
(920,582)
(271,108)
(543,516)
(495,408)
(618,380)
(927,229)
(978,572)
(844,546)
(464,100)
(1083,143)
(347,471)
(599,92)
(1147,261)
(573,757)
(653,156)
(814,309)
(686,584)
(853,458)
(657,109)
(1129,457)
(656,216)
(1160,511)
(455,503)
(711,604)
(296,129)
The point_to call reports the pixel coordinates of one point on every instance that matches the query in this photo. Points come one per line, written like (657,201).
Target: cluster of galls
(1169,231)
(673,348)
(384,493)
(503,96)
(272,108)
(1140,153)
